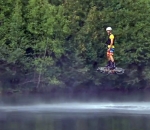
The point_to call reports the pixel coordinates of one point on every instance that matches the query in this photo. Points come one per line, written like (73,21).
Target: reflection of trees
(47,122)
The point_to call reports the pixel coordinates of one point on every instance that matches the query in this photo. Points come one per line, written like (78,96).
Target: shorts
(111,52)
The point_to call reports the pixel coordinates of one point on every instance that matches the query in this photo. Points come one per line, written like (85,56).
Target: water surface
(107,112)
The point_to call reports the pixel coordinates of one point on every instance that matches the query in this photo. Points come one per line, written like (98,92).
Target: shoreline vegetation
(53,45)
(71,92)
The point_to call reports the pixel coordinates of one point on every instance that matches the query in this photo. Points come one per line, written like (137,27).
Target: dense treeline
(52,43)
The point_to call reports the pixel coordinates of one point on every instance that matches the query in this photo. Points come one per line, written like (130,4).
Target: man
(111,48)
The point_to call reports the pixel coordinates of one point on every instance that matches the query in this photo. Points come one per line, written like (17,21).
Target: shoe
(108,64)
(112,68)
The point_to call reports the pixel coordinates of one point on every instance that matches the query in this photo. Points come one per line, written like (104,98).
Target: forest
(47,45)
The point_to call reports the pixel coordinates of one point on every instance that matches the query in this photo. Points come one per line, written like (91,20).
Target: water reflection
(15,121)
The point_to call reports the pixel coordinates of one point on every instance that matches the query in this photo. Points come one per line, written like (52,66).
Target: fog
(102,104)
(76,107)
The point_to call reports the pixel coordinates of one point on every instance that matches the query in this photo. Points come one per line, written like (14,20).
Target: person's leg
(108,59)
(112,59)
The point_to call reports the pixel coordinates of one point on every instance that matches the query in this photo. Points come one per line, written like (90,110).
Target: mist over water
(76,107)
(86,111)
(114,103)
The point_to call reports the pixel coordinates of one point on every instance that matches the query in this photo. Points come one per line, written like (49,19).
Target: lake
(106,111)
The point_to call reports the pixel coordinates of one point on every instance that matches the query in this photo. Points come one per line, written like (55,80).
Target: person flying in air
(111,48)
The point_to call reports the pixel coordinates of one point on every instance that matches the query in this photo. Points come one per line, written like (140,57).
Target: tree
(48,29)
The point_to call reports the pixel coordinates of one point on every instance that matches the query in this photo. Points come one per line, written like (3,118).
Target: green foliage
(61,43)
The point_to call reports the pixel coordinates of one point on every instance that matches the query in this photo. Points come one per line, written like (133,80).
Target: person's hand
(108,49)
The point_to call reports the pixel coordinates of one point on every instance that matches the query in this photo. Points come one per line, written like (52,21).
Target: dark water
(108,111)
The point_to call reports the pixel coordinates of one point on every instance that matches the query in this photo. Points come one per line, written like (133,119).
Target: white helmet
(108,29)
